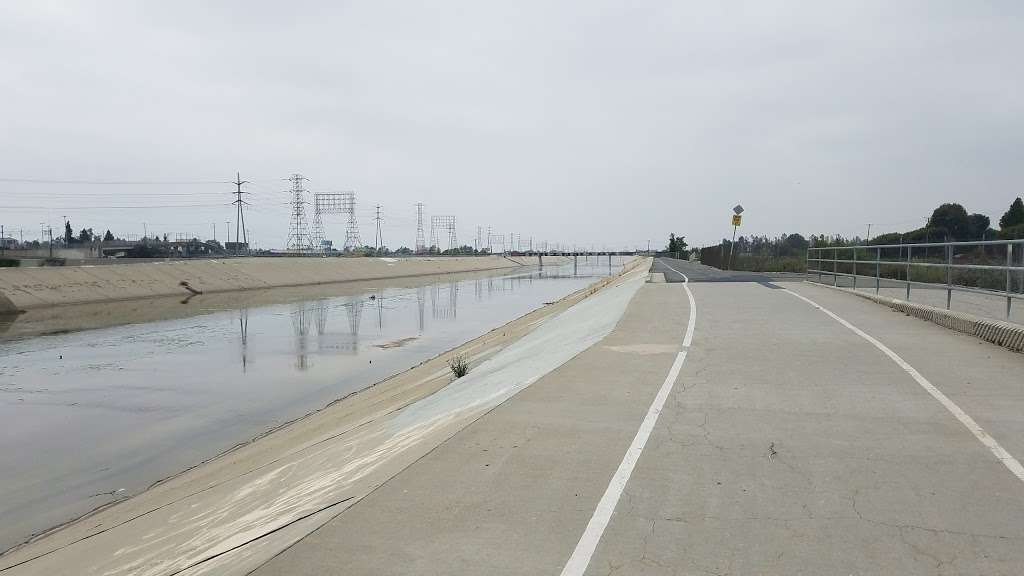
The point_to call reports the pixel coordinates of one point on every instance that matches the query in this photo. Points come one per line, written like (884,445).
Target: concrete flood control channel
(92,417)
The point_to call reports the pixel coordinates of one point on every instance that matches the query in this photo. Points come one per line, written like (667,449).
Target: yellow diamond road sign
(736,219)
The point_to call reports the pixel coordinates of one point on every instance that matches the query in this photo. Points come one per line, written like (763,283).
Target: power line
(126,194)
(113,182)
(90,206)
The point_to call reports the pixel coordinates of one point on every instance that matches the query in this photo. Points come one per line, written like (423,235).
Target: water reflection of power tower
(243,327)
(421,297)
(354,311)
(444,306)
(316,316)
(302,317)
(380,312)
(339,342)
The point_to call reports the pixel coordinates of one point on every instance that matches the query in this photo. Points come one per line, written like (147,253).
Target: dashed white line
(584,551)
(1000,453)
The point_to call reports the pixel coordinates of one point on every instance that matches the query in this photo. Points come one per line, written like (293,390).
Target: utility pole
(240,216)
(489,240)
(378,241)
(49,229)
(869,234)
(3,242)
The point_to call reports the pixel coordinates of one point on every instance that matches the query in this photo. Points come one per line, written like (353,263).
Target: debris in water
(396,343)
(111,493)
(186,286)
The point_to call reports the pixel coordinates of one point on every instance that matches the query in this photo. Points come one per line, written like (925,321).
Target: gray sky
(590,122)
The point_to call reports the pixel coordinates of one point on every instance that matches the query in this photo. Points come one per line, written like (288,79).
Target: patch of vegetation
(459,365)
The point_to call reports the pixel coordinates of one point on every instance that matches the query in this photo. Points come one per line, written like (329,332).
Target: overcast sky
(589,122)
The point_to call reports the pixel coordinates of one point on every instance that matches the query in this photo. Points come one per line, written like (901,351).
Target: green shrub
(459,365)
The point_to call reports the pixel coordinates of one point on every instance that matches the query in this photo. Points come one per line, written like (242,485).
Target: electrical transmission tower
(443,224)
(421,245)
(378,240)
(326,203)
(240,215)
(298,232)
(352,239)
(478,245)
(493,239)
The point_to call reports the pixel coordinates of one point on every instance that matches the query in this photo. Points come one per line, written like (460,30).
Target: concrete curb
(1006,334)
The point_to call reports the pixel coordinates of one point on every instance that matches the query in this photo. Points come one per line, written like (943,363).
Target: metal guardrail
(816,255)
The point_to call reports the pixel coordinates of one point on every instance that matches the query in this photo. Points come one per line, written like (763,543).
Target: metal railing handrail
(922,245)
(923,264)
(908,265)
(971,289)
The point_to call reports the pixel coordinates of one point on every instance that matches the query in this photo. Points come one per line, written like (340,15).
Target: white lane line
(584,551)
(1000,453)
(693,307)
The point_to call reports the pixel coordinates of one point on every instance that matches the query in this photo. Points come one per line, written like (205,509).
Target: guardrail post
(855,269)
(835,266)
(1009,282)
(949,275)
(908,272)
(878,270)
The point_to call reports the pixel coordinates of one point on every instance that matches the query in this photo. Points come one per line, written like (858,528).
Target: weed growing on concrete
(459,365)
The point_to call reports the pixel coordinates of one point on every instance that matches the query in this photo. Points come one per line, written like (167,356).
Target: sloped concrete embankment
(28,288)
(231,514)
(1006,334)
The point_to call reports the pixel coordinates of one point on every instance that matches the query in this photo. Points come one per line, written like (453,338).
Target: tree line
(949,222)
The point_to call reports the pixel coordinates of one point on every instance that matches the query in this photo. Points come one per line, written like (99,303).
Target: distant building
(232,247)
(8,242)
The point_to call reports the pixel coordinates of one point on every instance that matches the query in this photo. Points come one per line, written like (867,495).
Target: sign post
(737,210)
